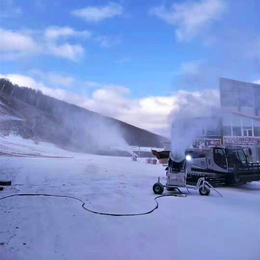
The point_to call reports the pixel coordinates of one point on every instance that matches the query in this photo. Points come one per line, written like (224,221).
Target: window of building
(213,128)
(210,132)
(237,131)
(257,131)
(226,130)
(204,132)
(247,131)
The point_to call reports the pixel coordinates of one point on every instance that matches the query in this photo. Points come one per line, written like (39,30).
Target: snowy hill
(30,114)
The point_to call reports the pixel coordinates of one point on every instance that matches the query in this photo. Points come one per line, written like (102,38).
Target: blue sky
(133,60)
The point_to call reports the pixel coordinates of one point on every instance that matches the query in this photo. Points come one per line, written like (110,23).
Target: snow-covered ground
(17,146)
(192,227)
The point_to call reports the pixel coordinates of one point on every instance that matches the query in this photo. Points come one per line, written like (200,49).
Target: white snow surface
(16,146)
(192,227)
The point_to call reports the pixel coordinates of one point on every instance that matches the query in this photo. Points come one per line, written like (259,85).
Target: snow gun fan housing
(176,166)
(176,162)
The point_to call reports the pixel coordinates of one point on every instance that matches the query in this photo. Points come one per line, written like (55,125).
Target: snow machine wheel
(158,188)
(204,191)
(1,188)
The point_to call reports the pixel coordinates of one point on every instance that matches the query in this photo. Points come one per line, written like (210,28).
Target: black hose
(5,183)
(92,211)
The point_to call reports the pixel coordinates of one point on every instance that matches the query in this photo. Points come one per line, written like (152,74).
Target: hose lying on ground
(5,183)
(92,211)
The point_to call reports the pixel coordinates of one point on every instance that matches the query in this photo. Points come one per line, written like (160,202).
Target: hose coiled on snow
(92,211)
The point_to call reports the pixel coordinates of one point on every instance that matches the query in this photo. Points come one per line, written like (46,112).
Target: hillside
(31,114)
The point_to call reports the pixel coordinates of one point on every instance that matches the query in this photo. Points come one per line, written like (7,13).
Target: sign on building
(241,141)
(202,143)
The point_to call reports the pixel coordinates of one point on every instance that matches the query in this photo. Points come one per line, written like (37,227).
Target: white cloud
(108,41)
(198,74)
(67,51)
(54,41)
(56,32)
(30,82)
(15,44)
(55,80)
(190,18)
(18,44)
(97,14)
(153,113)
(23,81)
(191,67)
(60,80)
(91,84)
(52,78)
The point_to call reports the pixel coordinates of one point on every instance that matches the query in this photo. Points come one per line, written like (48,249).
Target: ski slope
(16,146)
(43,228)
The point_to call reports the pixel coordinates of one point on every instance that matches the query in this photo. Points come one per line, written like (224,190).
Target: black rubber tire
(158,188)
(1,188)
(204,191)
(5,183)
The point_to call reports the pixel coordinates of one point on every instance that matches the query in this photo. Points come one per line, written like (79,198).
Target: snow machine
(177,172)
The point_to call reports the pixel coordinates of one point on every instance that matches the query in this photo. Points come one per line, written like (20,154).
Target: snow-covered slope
(192,227)
(70,127)
(16,146)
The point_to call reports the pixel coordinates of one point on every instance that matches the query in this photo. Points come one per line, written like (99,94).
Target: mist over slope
(31,114)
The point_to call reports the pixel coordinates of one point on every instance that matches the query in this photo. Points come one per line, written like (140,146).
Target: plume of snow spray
(189,123)
(186,130)
(108,135)
(97,134)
